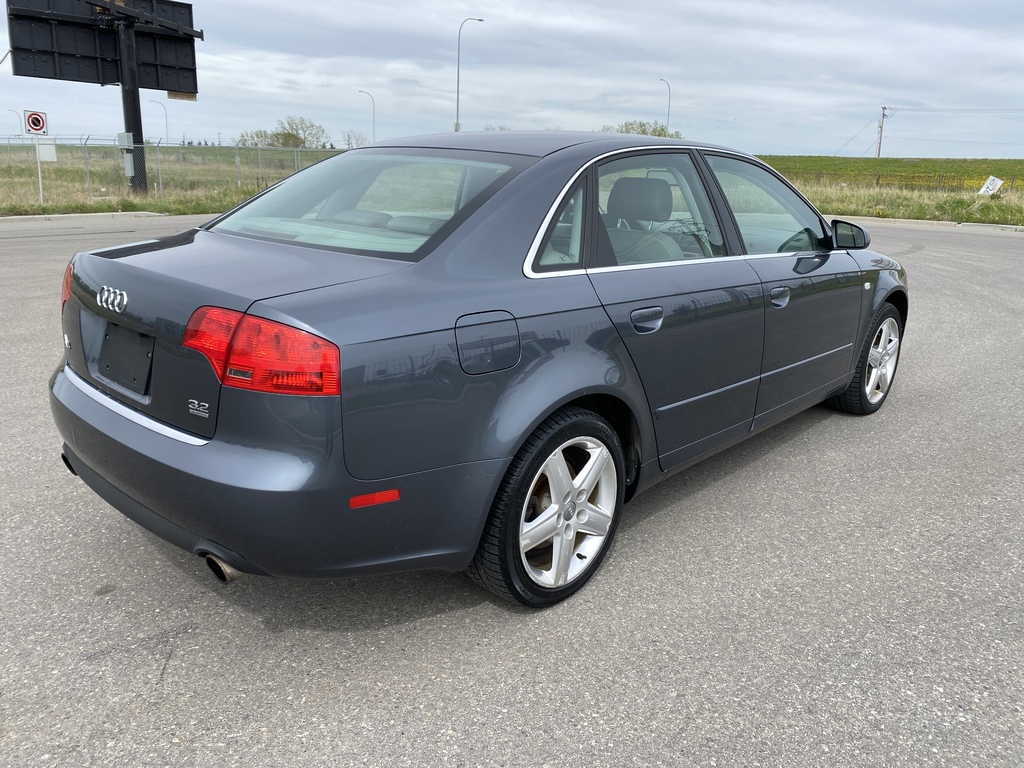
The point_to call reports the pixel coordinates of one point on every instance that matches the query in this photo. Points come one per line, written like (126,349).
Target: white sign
(35,122)
(46,150)
(991,186)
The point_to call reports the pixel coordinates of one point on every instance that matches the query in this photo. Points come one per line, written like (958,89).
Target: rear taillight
(65,289)
(262,355)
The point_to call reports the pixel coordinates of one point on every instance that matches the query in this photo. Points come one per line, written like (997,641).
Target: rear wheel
(555,513)
(876,368)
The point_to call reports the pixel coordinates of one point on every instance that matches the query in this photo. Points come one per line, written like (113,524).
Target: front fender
(887,280)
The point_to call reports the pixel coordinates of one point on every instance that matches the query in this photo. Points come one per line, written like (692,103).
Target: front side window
(381,202)
(771,217)
(655,210)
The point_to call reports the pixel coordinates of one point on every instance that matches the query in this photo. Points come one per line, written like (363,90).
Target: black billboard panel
(77,40)
(63,7)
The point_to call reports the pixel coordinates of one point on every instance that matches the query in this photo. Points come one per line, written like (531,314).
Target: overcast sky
(770,77)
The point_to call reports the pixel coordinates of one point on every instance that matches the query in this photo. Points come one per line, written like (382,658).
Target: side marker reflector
(372,499)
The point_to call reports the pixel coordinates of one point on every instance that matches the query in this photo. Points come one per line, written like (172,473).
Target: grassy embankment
(931,189)
(210,179)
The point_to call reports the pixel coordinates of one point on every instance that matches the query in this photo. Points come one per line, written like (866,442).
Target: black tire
(876,368)
(573,532)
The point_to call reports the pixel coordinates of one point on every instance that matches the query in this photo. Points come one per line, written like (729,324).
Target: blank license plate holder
(127,357)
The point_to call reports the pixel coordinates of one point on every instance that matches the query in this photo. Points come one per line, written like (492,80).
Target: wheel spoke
(539,531)
(872,384)
(597,522)
(892,346)
(883,380)
(559,477)
(561,559)
(875,357)
(590,475)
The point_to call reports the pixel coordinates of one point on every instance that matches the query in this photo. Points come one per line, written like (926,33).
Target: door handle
(780,297)
(647,320)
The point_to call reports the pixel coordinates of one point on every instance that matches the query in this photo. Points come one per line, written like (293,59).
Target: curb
(867,221)
(69,216)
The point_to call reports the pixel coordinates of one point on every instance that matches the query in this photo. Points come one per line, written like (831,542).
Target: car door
(691,317)
(811,291)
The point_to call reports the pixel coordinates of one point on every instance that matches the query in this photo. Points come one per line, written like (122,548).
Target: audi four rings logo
(112,299)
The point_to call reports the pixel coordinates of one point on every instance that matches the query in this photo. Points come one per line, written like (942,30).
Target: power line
(958,141)
(959,111)
(858,133)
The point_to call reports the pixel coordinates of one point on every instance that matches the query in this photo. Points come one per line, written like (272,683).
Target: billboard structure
(136,43)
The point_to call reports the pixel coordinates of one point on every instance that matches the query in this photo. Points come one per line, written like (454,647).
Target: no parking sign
(35,122)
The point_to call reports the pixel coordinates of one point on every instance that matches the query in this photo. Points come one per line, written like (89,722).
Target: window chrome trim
(531,255)
(132,415)
(705,260)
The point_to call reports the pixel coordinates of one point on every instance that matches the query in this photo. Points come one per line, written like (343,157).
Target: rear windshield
(395,203)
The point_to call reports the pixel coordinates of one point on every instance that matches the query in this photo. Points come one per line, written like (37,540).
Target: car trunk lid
(130,305)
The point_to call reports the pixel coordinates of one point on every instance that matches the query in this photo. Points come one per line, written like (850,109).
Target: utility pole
(886,112)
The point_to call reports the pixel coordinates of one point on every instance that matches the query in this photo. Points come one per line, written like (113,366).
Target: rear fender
(601,367)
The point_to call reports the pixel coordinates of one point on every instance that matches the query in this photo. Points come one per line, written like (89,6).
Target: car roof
(536,143)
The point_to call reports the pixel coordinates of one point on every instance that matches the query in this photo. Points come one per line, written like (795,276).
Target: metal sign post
(35,125)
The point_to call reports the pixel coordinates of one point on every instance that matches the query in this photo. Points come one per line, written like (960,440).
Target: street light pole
(167,133)
(18,118)
(373,117)
(668,116)
(458,68)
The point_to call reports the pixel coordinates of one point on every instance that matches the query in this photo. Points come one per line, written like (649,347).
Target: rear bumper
(272,496)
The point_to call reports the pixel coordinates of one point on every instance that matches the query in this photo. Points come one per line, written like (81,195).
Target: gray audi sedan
(463,352)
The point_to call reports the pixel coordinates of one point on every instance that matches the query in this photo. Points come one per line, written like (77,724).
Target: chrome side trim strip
(665,408)
(132,415)
(808,360)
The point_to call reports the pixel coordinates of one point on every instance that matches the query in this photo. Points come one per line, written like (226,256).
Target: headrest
(635,198)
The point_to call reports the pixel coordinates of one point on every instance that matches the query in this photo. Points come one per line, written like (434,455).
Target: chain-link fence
(66,170)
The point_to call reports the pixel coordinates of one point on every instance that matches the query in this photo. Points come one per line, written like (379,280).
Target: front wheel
(876,368)
(555,513)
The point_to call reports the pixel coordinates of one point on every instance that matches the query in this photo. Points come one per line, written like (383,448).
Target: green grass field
(211,179)
(931,189)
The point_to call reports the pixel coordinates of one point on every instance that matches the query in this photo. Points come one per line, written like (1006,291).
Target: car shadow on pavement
(693,480)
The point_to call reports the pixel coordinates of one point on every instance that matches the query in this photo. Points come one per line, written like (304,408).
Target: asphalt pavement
(836,591)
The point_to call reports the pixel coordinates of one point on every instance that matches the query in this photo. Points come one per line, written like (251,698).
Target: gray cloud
(788,76)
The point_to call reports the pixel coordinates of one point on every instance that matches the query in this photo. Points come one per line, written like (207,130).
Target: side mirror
(849,236)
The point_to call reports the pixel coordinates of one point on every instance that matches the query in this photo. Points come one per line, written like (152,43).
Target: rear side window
(392,203)
(772,218)
(563,246)
(654,209)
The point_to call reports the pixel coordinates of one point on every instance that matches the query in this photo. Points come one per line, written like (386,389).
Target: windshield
(395,203)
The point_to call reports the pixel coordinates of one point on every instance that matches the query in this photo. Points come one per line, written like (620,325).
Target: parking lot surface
(835,591)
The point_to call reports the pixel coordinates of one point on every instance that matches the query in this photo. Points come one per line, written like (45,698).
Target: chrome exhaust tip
(222,571)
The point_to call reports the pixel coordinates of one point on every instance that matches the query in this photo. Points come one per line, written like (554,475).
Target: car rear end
(195,407)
